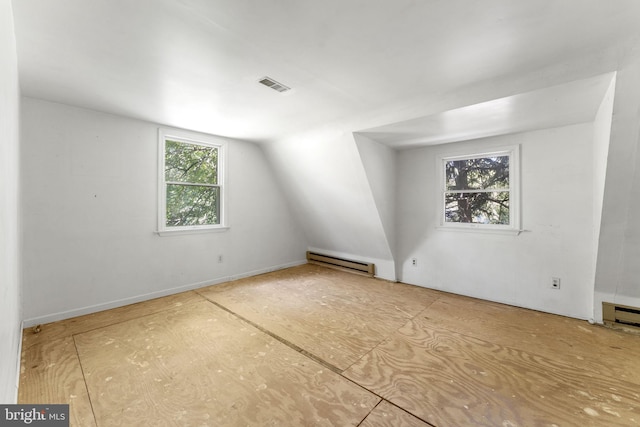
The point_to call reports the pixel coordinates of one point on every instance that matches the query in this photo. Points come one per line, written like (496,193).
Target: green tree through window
(191,184)
(477,190)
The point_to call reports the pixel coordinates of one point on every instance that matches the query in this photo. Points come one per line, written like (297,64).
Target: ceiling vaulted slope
(368,78)
(195,64)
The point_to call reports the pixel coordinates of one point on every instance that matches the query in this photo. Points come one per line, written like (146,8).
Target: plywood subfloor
(312,346)
(333,315)
(51,373)
(200,365)
(451,379)
(387,415)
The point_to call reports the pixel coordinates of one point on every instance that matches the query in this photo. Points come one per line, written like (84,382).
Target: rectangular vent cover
(269,82)
(358,267)
(616,315)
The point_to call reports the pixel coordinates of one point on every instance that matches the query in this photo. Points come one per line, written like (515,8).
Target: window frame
(193,139)
(514,226)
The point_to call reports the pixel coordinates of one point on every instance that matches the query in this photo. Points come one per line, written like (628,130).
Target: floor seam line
(86,386)
(409,319)
(369,413)
(119,322)
(280,339)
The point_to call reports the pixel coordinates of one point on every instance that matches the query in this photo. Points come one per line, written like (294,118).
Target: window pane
(192,205)
(477,174)
(477,208)
(190,163)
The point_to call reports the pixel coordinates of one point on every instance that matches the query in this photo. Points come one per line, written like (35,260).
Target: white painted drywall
(557,214)
(619,243)
(10,296)
(602,136)
(325,181)
(89,203)
(601,139)
(379,162)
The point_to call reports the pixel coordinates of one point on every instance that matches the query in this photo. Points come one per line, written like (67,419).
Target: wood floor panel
(388,415)
(334,315)
(50,373)
(76,325)
(199,365)
(573,341)
(447,359)
(449,379)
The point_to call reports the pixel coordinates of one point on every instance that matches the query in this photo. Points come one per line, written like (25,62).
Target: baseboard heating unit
(616,316)
(359,267)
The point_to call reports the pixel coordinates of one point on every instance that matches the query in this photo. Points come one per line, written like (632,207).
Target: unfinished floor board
(199,365)
(570,340)
(69,327)
(450,379)
(50,373)
(388,415)
(441,359)
(334,315)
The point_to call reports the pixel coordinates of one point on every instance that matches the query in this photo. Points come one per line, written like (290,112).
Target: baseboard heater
(616,315)
(358,267)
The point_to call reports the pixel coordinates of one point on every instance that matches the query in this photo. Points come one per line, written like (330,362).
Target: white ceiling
(560,105)
(195,63)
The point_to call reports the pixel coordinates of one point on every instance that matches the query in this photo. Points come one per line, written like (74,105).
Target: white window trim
(197,139)
(514,226)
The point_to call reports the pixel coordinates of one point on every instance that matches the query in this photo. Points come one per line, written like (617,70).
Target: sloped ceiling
(195,63)
(559,105)
(402,72)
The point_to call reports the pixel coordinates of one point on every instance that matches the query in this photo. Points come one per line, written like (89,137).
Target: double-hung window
(480,191)
(191,182)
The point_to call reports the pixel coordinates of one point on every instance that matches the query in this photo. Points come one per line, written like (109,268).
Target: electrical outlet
(414,262)
(219,258)
(555,283)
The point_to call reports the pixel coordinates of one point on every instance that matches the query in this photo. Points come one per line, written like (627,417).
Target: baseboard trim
(54,317)
(266,270)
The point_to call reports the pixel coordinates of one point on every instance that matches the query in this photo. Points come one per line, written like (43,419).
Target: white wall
(327,176)
(618,269)
(10,298)
(323,176)
(379,162)
(601,140)
(557,212)
(90,212)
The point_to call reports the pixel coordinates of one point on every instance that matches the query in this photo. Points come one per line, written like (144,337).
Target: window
(191,182)
(481,190)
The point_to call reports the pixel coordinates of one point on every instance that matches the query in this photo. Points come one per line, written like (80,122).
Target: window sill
(184,231)
(482,230)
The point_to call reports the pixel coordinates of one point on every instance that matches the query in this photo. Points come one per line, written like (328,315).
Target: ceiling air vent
(269,82)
